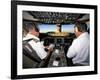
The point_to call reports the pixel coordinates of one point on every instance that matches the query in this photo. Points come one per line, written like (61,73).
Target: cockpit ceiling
(55,17)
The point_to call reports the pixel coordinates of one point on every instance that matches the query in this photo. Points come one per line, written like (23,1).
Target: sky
(68,28)
(47,28)
(52,28)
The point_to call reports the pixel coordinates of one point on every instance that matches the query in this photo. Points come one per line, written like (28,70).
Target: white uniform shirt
(37,46)
(79,50)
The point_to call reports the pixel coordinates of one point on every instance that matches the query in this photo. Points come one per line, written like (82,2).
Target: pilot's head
(80,28)
(32,29)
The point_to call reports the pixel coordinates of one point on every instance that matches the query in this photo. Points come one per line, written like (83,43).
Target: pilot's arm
(72,50)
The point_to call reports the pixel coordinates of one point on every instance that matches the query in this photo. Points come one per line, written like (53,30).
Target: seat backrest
(30,53)
(29,63)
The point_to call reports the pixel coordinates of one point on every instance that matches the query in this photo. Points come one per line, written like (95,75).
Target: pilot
(34,41)
(80,48)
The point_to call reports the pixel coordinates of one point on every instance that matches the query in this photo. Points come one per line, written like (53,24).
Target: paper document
(55,63)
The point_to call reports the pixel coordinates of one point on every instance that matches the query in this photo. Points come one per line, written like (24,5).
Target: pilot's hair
(82,27)
(30,26)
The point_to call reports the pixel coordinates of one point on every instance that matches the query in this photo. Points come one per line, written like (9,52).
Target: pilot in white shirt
(33,33)
(80,48)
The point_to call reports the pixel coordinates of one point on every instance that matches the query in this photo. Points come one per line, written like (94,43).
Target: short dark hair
(82,27)
(30,25)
